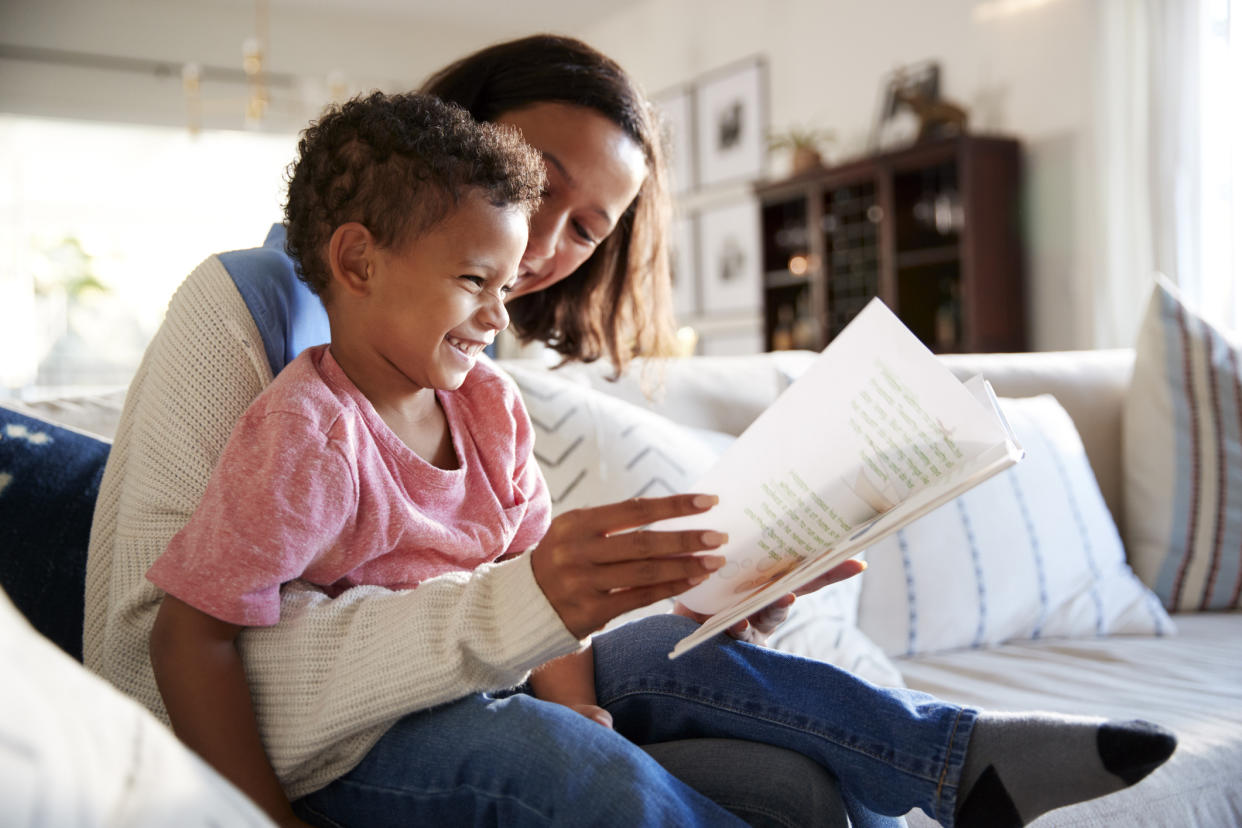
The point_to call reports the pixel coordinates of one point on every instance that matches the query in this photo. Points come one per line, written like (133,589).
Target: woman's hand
(761,624)
(592,569)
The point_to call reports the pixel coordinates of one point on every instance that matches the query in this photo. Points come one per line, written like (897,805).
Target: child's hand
(593,712)
(592,569)
(760,624)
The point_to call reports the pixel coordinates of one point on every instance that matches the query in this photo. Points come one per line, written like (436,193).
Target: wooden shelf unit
(933,230)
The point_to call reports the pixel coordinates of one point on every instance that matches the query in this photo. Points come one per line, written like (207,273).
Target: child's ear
(350,251)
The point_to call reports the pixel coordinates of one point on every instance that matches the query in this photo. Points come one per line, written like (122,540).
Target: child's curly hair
(398,164)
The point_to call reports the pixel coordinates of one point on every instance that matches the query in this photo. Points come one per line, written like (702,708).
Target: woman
(594,284)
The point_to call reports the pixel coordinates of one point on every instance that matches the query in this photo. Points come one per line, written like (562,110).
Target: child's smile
(427,308)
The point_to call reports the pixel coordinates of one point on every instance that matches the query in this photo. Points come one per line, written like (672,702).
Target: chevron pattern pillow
(595,449)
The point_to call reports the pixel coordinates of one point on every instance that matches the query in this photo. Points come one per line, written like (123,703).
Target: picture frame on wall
(676,108)
(730,110)
(685,268)
(730,258)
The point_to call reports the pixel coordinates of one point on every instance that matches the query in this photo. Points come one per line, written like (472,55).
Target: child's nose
(493,313)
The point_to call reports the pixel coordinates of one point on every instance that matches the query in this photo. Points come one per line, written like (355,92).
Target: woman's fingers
(644,544)
(638,511)
(592,567)
(639,573)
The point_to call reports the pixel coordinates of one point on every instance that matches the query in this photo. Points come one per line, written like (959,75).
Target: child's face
(437,301)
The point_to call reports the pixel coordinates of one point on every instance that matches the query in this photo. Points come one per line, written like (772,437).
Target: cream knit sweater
(333,675)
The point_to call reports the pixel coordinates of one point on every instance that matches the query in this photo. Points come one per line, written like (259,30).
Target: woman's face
(594,171)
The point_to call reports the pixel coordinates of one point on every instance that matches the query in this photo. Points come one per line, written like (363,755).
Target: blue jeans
(488,760)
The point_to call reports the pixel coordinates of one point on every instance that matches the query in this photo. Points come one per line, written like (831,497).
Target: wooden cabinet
(933,230)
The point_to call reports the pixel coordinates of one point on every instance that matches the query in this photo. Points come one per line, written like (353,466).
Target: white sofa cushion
(1032,553)
(1191,684)
(1182,457)
(74,751)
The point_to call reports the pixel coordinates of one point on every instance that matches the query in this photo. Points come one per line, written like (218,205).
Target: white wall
(373,49)
(1029,74)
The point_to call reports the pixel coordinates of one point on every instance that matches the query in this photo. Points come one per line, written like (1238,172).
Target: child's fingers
(840,572)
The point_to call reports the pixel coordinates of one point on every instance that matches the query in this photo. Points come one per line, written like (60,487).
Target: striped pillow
(1032,553)
(1182,457)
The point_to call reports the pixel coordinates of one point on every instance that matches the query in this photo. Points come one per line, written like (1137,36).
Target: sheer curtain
(1169,152)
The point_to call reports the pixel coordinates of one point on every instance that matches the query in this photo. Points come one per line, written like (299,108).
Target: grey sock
(1019,765)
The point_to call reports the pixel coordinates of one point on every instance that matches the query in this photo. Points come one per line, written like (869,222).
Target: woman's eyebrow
(569,179)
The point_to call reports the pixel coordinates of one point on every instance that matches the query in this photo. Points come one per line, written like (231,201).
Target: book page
(875,421)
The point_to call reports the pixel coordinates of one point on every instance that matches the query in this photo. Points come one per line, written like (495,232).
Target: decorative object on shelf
(730,257)
(730,122)
(912,109)
(805,146)
(676,108)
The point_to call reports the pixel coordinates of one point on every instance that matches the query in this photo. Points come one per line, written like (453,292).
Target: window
(99,223)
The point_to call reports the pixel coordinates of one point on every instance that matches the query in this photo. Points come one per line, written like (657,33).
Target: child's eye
(477,281)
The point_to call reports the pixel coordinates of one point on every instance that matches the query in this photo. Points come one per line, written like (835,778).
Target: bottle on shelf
(782,333)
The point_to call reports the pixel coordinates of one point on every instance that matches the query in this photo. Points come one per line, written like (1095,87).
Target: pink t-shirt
(314,485)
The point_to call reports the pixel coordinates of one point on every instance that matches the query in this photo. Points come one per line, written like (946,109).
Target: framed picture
(729,255)
(685,269)
(896,123)
(730,123)
(676,108)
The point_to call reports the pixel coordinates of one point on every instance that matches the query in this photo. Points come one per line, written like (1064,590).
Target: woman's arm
(200,676)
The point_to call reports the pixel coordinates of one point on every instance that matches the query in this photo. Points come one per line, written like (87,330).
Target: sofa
(657,428)
(1181,669)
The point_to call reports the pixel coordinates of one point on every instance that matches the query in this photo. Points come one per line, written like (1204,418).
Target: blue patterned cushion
(1182,457)
(1032,553)
(49,479)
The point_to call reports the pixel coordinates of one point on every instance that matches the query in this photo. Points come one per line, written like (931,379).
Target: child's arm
(570,680)
(203,683)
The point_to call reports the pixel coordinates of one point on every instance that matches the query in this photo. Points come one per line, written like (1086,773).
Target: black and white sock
(1019,765)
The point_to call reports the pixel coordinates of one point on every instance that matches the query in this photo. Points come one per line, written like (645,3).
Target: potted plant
(805,146)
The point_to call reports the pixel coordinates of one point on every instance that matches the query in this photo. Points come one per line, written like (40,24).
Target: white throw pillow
(1182,457)
(1031,553)
(595,449)
(75,751)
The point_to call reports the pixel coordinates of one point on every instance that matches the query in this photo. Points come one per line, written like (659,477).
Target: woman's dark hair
(618,303)
(398,165)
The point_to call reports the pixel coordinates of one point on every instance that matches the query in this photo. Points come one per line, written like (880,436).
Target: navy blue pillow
(49,479)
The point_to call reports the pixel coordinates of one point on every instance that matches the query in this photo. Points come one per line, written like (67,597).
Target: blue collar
(289,316)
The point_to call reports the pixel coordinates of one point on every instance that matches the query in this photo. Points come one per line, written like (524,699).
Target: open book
(875,434)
